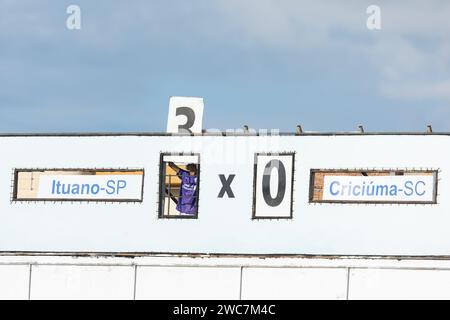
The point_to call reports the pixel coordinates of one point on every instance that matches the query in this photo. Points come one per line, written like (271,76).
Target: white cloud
(290,23)
(417,91)
(411,54)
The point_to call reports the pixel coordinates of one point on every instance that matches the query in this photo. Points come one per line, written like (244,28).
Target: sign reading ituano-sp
(397,189)
(103,187)
(79,184)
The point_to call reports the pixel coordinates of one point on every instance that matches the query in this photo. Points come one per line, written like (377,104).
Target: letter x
(226,185)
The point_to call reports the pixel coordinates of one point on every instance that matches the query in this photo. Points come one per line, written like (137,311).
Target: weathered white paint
(294,283)
(174,283)
(399,284)
(82,282)
(207,277)
(225,225)
(14,281)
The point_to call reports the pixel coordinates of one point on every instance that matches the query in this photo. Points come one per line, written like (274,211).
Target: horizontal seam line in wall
(344,267)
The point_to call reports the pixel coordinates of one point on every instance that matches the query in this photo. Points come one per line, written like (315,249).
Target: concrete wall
(172,277)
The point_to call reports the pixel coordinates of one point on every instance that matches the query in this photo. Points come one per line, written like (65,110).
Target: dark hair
(191,167)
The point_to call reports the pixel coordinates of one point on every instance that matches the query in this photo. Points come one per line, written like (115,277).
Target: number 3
(190,115)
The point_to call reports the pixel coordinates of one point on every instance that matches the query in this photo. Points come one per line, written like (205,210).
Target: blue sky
(271,64)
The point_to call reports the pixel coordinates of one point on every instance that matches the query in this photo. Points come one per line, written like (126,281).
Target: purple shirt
(187,202)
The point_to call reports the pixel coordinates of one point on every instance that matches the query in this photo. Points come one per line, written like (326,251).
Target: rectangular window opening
(179,185)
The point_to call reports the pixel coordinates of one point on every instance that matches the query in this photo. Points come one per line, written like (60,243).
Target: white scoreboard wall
(255,195)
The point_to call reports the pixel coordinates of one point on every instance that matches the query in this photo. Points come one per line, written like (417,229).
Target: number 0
(273,185)
(273,202)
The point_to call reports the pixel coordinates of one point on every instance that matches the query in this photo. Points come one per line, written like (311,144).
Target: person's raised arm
(174,167)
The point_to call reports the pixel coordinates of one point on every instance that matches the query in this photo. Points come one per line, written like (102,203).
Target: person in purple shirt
(187,202)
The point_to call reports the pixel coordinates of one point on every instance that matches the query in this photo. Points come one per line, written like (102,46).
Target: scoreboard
(326,194)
